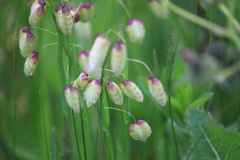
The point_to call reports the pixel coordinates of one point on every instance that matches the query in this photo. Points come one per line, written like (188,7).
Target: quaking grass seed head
(131,90)
(31,63)
(83,59)
(38,10)
(159,8)
(157,91)
(140,130)
(72,98)
(26,41)
(115,93)
(118,57)
(98,52)
(86,12)
(64,19)
(81,81)
(135,30)
(92,92)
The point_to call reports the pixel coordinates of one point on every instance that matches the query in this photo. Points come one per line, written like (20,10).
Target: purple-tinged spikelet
(64,19)
(118,57)
(26,41)
(31,63)
(140,130)
(38,10)
(159,8)
(81,81)
(76,16)
(131,90)
(135,30)
(98,52)
(92,92)
(86,12)
(72,98)
(115,93)
(157,91)
(83,59)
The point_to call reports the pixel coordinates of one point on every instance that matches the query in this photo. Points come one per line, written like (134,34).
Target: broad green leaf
(203,99)
(211,141)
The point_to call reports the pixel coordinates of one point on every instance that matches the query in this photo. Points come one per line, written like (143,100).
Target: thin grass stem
(121,111)
(138,61)
(125,8)
(50,44)
(44,124)
(75,132)
(45,30)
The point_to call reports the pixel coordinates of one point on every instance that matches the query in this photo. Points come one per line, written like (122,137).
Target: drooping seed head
(86,12)
(99,52)
(81,81)
(26,41)
(83,30)
(83,60)
(92,92)
(140,130)
(115,93)
(64,19)
(38,10)
(159,8)
(72,98)
(131,90)
(157,91)
(31,63)
(118,57)
(135,30)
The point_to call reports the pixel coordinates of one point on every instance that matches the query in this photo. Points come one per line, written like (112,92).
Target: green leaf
(211,142)
(203,99)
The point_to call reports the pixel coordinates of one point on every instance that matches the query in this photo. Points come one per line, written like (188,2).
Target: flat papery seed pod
(140,130)
(136,31)
(115,93)
(38,10)
(98,52)
(159,8)
(157,91)
(92,92)
(72,98)
(131,90)
(64,19)
(26,42)
(118,57)
(83,61)
(81,81)
(31,63)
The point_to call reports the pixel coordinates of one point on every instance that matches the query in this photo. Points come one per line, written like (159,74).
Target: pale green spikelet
(26,42)
(131,90)
(118,57)
(64,19)
(81,81)
(115,93)
(38,10)
(72,98)
(31,63)
(83,59)
(159,8)
(140,130)
(135,30)
(86,12)
(92,92)
(157,91)
(98,53)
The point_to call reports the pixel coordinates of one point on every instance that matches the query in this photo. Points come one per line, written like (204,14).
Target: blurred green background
(24,101)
